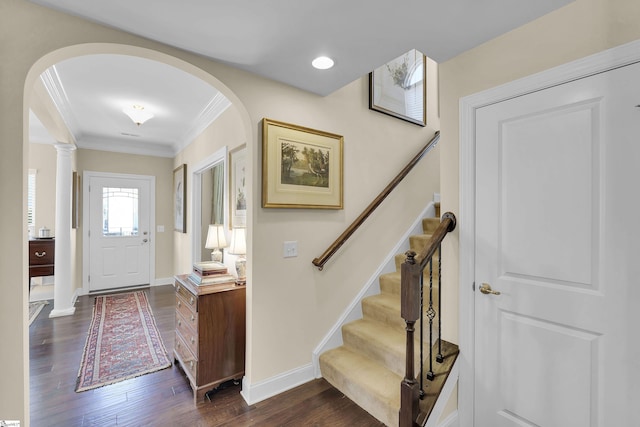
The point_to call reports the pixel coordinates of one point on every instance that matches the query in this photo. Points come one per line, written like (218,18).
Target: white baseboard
(163,281)
(61,313)
(261,390)
(353,312)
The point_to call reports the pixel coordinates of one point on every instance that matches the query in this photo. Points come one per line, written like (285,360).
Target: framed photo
(180,198)
(398,88)
(301,167)
(237,187)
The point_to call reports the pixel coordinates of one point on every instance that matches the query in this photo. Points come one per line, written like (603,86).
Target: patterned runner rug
(123,342)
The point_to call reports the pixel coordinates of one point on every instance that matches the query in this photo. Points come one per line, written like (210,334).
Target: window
(119,211)
(31,201)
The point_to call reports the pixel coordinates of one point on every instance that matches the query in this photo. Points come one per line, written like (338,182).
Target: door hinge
(473,286)
(89,278)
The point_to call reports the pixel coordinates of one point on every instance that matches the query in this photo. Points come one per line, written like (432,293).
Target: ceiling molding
(129,146)
(214,108)
(52,83)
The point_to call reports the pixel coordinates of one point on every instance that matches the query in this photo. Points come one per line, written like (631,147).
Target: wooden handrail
(322,259)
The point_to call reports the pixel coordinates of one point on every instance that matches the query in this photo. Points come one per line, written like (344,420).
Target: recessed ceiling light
(322,63)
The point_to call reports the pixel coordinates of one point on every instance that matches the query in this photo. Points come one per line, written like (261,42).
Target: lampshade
(238,242)
(137,113)
(215,237)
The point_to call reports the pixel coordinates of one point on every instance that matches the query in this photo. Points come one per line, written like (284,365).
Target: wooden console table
(210,333)
(41,258)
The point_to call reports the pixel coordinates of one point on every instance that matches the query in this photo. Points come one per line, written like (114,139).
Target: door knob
(145,240)
(486,289)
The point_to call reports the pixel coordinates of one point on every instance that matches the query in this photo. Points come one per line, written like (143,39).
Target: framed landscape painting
(301,167)
(398,88)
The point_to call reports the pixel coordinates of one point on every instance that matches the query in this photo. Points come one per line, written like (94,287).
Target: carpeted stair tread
(371,386)
(381,343)
(417,242)
(383,307)
(429,225)
(390,282)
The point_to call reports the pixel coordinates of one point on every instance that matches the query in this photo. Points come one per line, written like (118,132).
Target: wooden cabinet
(41,258)
(210,333)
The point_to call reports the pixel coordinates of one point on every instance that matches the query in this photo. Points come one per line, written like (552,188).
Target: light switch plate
(290,249)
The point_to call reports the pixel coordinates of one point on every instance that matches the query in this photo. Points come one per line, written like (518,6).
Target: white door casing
(112,261)
(554,231)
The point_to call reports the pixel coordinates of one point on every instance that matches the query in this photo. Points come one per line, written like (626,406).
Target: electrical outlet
(290,249)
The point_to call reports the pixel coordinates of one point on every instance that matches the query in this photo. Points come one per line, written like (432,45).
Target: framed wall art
(180,198)
(301,167)
(398,88)
(237,187)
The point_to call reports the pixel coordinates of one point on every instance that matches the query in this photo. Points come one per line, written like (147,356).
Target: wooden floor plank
(162,398)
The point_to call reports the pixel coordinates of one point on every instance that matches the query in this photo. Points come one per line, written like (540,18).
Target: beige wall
(291,305)
(226,131)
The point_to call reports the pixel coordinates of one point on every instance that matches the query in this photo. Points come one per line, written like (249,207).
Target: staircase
(369,367)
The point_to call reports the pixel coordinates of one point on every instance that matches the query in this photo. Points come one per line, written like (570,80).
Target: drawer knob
(40,254)
(179,323)
(178,288)
(193,340)
(191,300)
(179,304)
(191,364)
(193,318)
(178,345)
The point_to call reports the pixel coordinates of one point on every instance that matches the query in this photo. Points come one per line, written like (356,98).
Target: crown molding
(52,83)
(214,108)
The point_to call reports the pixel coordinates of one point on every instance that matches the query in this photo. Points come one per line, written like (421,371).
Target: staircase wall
(353,312)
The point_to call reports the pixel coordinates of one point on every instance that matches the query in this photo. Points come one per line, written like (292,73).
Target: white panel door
(558,235)
(119,235)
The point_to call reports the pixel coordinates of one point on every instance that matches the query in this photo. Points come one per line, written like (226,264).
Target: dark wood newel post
(410,311)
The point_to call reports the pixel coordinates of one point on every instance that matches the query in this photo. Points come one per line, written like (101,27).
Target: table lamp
(216,241)
(239,247)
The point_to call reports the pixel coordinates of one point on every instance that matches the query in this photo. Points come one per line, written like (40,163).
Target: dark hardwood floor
(162,398)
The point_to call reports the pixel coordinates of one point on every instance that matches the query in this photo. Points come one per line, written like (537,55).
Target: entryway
(119,239)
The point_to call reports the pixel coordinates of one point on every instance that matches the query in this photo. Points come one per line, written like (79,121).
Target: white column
(62,289)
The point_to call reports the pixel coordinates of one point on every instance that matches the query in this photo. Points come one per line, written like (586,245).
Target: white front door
(558,235)
(119,237)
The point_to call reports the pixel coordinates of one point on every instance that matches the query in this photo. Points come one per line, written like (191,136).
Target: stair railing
(331,250)
(412,310)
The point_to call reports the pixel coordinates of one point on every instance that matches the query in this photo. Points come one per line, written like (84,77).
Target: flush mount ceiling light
(322,63)
(137,113)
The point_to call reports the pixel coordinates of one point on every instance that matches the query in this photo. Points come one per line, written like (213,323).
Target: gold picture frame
(238,187)
(180,198)
(399,88)
(301,167)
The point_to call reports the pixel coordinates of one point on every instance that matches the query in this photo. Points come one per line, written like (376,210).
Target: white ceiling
(91,91)
(276,39)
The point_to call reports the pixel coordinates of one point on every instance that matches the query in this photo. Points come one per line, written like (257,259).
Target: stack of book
(210,272)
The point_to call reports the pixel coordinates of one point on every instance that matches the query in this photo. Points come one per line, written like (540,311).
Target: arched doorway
(178,241)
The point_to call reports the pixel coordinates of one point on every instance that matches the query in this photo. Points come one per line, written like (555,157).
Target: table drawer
(41,253)
(188,360)
(190,335)
(186,309)
(187,296)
